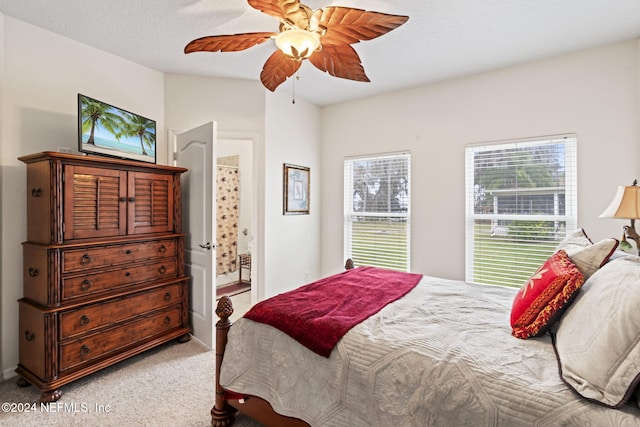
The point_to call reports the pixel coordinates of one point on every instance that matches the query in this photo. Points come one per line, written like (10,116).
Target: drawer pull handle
(162,269)
(167,296)
(132,199)
(33,272)
(85,285)
(128,252)
(36,192)
(84,320)
(122,199)
(127,274)
(29,336)
(86,259)
(84,350)
(162,249)
(167,320)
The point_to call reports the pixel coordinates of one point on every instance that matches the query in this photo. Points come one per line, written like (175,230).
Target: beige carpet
(172,385)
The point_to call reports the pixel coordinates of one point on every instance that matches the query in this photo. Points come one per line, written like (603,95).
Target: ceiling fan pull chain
(296,77)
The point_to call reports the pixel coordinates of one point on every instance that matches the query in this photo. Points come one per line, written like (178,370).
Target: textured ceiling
(443,39)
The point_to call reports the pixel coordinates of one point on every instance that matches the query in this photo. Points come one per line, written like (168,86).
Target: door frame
(258,202)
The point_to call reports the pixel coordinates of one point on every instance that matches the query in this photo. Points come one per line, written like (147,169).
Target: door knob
(208,246)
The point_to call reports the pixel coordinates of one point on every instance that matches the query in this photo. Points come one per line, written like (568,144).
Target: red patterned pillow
(539,303)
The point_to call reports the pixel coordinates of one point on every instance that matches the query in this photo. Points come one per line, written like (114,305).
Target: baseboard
(193,338)
(7,374)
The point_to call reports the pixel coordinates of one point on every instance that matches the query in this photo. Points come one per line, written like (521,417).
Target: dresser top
(96,161)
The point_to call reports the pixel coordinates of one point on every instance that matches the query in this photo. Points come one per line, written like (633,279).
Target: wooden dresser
(103,266)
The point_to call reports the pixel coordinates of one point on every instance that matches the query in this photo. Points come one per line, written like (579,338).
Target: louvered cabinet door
(151,210)
(95,202)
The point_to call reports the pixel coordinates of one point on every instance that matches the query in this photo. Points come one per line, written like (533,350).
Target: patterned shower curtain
(228,197)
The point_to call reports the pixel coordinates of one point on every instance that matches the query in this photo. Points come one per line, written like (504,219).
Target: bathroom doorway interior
(234,234)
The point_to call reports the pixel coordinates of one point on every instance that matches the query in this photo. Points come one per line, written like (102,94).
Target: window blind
(377,202)
(521,199)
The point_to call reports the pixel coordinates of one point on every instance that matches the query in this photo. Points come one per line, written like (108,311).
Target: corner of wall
(2,62)
(638,109)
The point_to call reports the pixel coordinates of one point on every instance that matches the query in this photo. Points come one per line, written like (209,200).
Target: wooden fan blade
(227,43)
(339,60)
(348,25)
(280,9)
(278,68)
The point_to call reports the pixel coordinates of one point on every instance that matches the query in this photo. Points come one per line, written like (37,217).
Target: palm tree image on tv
(111,131)
(97,113)
(142,128)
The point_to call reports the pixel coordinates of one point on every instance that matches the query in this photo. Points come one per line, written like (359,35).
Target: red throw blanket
(317,315)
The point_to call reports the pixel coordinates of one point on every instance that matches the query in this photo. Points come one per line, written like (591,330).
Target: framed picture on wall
(295,195)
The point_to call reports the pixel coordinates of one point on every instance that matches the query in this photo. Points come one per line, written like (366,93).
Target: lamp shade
(297,43)
(625,204)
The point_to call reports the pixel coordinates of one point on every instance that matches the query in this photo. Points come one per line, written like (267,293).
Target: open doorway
(234,217)
(195,193)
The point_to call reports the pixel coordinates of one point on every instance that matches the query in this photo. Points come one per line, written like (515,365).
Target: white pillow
(598,338)
(587,256)
(575,241)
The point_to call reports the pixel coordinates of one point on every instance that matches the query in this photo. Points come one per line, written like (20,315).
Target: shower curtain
(228,199)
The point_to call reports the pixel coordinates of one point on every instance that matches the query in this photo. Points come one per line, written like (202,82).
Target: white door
(195,150)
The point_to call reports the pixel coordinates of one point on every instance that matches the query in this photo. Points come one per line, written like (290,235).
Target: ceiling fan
(323,36)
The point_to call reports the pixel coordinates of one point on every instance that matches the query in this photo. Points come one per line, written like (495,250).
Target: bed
(445,354)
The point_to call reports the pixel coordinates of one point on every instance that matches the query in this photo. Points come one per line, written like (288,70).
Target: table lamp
(626,204)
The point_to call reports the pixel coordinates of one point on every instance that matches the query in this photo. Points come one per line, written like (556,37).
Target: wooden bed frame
(224,410)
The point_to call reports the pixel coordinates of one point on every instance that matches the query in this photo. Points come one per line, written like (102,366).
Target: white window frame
(349,213)
(570,217)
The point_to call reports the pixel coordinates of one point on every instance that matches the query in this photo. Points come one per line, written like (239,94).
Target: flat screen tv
(110,131)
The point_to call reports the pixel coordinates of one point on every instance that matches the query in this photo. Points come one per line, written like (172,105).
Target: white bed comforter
(441,356)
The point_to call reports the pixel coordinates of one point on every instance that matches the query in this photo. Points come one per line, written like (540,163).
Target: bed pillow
(539,303)
(575,241)
(598,339)
(588,256)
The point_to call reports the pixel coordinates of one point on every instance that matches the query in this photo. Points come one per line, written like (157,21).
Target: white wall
(292,135)
(592,93)
(236,105)
(43,73)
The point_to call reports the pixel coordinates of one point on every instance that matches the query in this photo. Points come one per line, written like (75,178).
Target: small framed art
(295,196)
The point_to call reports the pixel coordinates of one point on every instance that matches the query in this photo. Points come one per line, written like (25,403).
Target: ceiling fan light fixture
(323,36)
(298,44)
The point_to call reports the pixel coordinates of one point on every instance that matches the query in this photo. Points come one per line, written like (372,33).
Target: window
(376,210)
(520,202)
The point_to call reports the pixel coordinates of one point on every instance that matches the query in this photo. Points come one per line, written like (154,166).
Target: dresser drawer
(105,256)
(87,284)
(88,348)
(96,316)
